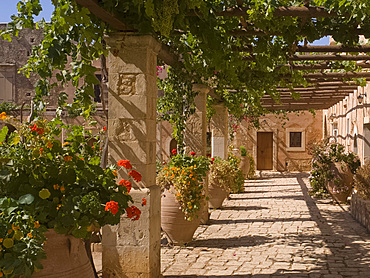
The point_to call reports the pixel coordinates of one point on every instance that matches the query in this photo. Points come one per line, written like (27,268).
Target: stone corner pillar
(132,248)
(219,128)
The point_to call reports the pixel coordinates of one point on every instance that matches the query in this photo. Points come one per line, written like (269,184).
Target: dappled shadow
(253,220)
(243,208)
(230,242)
(293,197)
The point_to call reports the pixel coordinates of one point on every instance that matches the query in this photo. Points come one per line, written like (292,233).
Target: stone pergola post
(132,248)
(195,138)
(219,128)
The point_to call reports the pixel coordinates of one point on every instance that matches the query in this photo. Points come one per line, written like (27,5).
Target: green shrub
(243,151)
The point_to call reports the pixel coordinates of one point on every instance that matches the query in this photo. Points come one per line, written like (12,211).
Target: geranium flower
(133,213)
(125,163)
(112,206)
(192,153)
(126,184)
(143,203)
(174,151)
(135,175)
(3,116)
(105,128)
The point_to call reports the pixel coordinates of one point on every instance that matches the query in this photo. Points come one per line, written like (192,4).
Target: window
(295,140)
(7,80)
(335,132)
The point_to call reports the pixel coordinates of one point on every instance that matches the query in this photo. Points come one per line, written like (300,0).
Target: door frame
(274,146)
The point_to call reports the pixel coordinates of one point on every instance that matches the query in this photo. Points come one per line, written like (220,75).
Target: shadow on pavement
(230,242)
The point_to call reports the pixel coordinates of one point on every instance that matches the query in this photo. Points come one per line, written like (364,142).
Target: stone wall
(360,209)
(284,158)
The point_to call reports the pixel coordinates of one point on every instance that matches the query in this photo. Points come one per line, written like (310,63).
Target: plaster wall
(284,159)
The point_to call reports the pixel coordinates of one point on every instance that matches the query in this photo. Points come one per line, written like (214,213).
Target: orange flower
(133,213)
(125,163)
(10,231)
(36,224)
(62,188)
(41,150)
(15,227)
(56,186)
(49,145)
(1,240)
(65,143)
(68,158)
(3,116)
(30,235)
(135,175)
(126,184)
(112,206)
(115,173)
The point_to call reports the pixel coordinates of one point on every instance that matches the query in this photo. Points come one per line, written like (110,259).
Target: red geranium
(38,130)
(174,152)
(192,153)
(135,175)
(105,128)
(133,213)
(125,163)
(126,184)
(112,206)
(143,203)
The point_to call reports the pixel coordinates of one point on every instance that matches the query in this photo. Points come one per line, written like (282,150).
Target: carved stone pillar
(132,248)
(219,127)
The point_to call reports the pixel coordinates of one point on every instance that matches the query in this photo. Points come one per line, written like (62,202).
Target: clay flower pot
(173,223)
(340,186)
(66,257)
(245,165)
(217,195)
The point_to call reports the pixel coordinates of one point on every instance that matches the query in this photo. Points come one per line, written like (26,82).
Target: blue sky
(10,8)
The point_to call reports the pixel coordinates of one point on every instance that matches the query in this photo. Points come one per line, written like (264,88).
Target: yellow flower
(3,116)
(30,235)
(36,224)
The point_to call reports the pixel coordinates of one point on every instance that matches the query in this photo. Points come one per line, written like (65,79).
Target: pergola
(133,115)
(324,89)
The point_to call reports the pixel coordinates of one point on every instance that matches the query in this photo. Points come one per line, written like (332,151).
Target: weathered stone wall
(284,159)
(360,209)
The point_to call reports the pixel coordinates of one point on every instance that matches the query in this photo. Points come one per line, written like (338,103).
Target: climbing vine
(241,69)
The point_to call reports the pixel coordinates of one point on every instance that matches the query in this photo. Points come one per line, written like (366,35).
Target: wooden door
(264,150)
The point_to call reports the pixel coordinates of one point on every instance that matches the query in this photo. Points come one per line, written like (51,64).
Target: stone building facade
(348,122)
(282,145)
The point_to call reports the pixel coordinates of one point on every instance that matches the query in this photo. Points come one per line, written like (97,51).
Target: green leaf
(3,133)
(26,199)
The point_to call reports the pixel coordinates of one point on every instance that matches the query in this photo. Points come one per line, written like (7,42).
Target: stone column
(195,138)
(132,248)
(219,127)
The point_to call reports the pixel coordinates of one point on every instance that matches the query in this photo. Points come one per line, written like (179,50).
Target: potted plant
(238,185)
(182,181)
(223,179)
(56,192)
(245,161)
(332,170)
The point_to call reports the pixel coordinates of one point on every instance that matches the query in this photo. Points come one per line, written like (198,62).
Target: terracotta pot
(342,174)
(217,195)
(245,165)
(66,257)
(173,223)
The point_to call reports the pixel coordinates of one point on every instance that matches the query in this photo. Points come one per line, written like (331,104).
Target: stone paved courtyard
(274,229)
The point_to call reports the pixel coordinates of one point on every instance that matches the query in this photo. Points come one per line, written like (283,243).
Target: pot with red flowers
(54,194)
(182,183)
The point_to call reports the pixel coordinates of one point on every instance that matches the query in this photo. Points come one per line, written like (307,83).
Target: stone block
(360,209)
(132,248)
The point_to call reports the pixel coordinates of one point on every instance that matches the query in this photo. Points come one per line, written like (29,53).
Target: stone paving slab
(274,229)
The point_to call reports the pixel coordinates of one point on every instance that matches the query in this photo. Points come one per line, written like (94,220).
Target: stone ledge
(360,210)
(96,247)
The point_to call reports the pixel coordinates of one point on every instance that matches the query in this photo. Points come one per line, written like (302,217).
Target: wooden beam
(258,32)
(317,88)
(292,107)
(333,48)
(337,75)
(320,58)
(279,11)
(107,17)
(323,66)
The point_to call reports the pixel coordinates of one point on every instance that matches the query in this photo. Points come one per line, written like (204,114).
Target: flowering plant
(225,174)
(323,156)
(184,174)
(47,184)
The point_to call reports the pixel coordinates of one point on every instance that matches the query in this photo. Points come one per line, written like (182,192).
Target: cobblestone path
(274,229)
